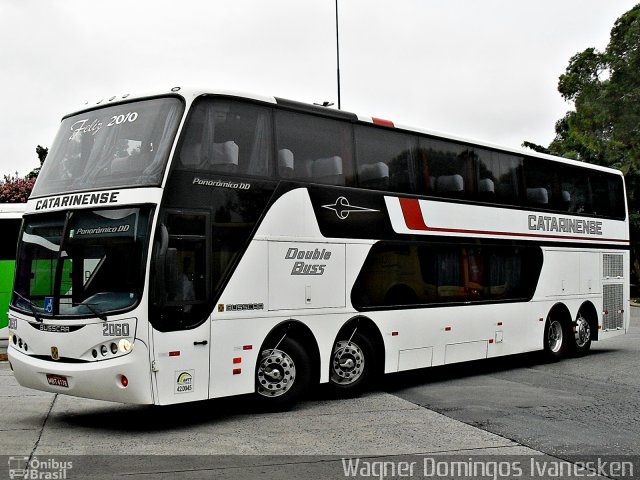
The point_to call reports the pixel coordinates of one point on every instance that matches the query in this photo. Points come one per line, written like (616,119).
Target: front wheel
(352,365)
(282,375)
(557,339)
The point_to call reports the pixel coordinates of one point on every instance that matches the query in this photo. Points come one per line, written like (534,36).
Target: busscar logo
(184,381)
(306,268)
(241,307)
(55,354)
(53,329)
(343,208)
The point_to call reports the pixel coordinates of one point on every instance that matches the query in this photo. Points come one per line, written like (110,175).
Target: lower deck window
(417,274)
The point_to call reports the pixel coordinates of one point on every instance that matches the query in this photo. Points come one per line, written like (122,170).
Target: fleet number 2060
(115,330)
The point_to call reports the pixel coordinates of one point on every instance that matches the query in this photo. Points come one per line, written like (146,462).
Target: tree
(42,154)
(604,126)
(17,189)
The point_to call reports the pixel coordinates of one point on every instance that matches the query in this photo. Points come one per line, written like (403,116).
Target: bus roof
(189,94)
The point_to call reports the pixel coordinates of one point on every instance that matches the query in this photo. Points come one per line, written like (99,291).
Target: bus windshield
(117,146)
(81,263)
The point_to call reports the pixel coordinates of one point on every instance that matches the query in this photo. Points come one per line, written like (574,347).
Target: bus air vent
(612,265)
(613,318)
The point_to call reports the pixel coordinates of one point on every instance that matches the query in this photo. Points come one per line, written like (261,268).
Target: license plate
(57,380)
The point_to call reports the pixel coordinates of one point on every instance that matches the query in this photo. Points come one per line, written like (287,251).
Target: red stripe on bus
(412,214)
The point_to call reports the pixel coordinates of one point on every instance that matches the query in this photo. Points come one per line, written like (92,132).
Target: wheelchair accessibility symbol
(48,304)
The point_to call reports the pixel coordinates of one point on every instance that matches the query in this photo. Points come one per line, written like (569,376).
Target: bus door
(179,310)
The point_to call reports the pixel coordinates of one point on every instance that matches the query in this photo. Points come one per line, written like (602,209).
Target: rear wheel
(582,335)
(556,339)
(282,375)
(352,365)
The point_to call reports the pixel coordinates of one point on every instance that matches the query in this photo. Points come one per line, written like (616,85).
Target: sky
(478,69)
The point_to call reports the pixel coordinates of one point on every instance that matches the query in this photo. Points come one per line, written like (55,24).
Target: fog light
(124,380)
(125,345)
(15,340)
(94,352)
(103,350)
(114,348)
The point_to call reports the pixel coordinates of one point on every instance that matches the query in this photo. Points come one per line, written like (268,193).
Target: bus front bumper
(100,380)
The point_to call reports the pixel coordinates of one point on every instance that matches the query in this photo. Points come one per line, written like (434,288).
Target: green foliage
(604,126)
(535,147)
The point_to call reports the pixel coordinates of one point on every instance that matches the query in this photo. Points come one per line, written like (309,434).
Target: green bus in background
(10,221)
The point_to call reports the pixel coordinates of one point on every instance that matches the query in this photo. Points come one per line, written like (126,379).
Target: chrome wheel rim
(583,332)
(347,363)
(554,337)
(276,373)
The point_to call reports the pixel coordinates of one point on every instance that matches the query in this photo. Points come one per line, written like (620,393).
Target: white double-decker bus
(192,245)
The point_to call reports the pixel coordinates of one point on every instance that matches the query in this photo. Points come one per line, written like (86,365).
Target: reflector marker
(174,354)
(447,329)
(247,347)
(237,371)
(237,360)
(382,121)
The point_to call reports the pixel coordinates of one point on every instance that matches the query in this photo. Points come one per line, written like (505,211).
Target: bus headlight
(125,345)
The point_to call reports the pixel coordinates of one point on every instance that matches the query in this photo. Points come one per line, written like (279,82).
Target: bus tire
(582,335)
(283,375)
(352,365)
(558,338)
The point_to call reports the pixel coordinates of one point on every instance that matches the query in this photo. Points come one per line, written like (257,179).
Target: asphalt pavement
(514,408)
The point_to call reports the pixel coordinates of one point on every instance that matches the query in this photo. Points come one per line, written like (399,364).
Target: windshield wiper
(91,307)
(32,306)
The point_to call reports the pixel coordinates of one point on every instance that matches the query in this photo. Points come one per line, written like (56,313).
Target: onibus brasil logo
(50,468)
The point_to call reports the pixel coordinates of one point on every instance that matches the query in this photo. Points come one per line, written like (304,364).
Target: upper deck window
(314,149)
(386,159)
(227,137)
(117,146)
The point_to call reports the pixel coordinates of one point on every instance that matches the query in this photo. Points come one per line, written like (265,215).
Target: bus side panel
(418,338)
